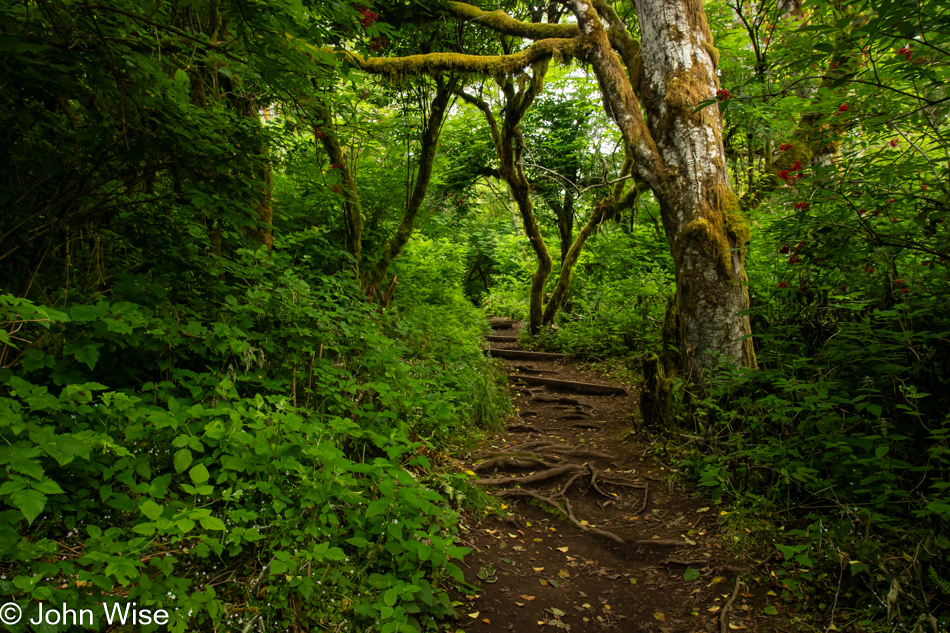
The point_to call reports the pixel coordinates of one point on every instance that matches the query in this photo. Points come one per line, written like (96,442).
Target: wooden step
(500,323)
(520,354)
(571,385)
(495,338)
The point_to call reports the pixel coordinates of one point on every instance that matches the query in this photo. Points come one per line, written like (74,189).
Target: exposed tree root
(569,483)
(522,427)
(528,479)
(568,512)
(588,425)
(593,482)
(511,462)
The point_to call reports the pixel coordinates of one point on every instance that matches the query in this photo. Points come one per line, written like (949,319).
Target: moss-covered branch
(490,65)
(501,22)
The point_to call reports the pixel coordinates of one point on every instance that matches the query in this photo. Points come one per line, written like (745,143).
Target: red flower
(905,290)
(899,281)
(784,250)
(783,285)
(890,200)
(801,205)
(843,288)
(869,269)
(785,147)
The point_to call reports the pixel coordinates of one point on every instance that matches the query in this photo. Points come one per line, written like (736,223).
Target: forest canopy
(247,249)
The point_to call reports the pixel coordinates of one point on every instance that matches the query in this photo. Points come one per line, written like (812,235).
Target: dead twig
(724,616)
(662,542)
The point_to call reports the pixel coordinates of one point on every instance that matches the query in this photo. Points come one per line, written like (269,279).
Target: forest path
(619,564)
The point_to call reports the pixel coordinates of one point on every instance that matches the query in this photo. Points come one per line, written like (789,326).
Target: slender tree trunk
(432,127)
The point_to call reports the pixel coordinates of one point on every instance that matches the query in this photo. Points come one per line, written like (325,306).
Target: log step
(500,323)
(495,338)
(519,354)
(570,385)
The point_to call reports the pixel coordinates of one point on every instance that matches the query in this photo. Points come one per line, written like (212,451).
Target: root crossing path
(597,539)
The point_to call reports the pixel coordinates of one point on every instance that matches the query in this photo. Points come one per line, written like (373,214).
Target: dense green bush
(263,461)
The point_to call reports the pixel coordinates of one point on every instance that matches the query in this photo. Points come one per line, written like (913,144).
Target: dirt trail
(620,562)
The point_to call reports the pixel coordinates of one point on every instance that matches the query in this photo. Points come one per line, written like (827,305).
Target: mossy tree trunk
(509,147)
(680,155)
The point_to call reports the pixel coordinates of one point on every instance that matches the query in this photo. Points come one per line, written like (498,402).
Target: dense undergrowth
(264,458)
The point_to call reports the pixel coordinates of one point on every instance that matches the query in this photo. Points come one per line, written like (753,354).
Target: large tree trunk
(680,155)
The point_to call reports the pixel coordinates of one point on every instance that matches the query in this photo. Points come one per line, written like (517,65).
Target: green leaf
(29,502)
(770,610)
(691,574)
(199,474)
(389,598)
(182,460)
(211,523)
(151,509)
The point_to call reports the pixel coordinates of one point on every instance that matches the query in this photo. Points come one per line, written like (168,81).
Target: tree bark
(680,155)
(432,128)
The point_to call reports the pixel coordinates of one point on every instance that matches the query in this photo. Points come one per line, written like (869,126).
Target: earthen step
(495,338)
(519,354)
(500,323)
(570,385)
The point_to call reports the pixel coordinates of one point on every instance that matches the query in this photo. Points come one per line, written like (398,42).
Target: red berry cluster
(319,134)
(894,142)
(336,189)
(844,107)
(368,16)
(784,147)
(377,44)
(801,205)
(906,52)
(789,175)
(336,166)
(795,258)
(783,285)
(722,94)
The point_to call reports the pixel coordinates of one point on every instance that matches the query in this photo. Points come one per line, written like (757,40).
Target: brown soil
(537,569)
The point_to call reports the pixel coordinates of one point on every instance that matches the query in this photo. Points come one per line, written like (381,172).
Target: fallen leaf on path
(562,549)
(473,615)
(714,609)
(520,604)
(702,510)
(528,598)
(538,568)
(660,616)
